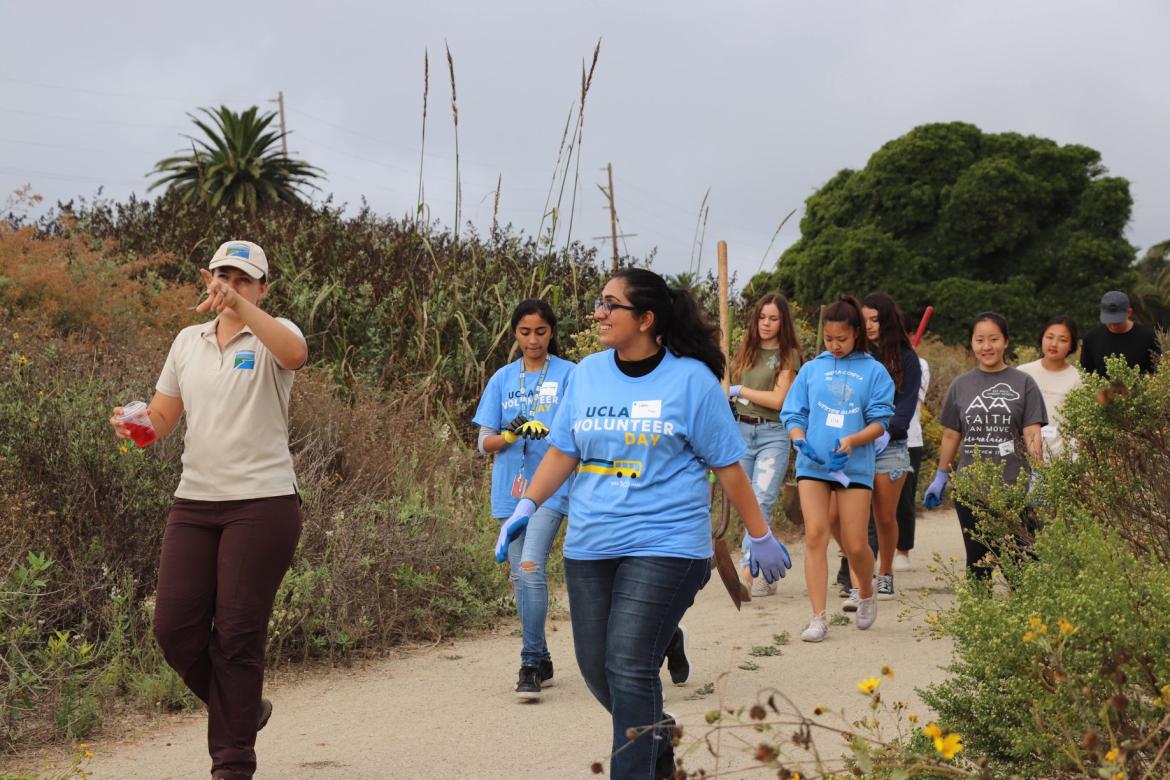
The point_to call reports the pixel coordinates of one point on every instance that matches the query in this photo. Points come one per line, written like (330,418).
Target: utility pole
(283,130)
(613,220)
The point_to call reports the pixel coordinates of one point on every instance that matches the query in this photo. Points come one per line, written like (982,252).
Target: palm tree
(238,163)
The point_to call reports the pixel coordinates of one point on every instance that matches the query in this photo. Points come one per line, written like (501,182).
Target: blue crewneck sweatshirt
(836,397)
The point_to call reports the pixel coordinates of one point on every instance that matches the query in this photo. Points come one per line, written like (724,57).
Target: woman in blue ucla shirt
(640,425)
(517,407)
(839,404)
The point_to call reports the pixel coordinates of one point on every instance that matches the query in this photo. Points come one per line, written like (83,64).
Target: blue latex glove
(769,557)
(881,442)
(733,392)
(804,447)
(837,459)
(1035,491)
(934,493)
(513,527)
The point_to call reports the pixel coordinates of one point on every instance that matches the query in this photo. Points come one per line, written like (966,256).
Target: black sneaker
(546,673)
(528,687)
(885,586)
(664,768)
(677,662)
(265,713)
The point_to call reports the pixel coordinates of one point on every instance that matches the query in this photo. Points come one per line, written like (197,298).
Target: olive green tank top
(762,376)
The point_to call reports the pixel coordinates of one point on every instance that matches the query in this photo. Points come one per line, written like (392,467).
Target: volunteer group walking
(619,448)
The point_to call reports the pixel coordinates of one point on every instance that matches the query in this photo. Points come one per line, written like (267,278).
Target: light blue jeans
(766,465)
(531,585)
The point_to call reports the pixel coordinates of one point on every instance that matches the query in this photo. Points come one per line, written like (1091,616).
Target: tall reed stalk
(423,142)
(700,228)
(768,251)
(455,117)
(586,82)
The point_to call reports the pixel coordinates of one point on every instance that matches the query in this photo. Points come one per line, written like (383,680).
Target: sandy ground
(449,711)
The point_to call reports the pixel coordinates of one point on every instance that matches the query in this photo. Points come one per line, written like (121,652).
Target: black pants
(908,503)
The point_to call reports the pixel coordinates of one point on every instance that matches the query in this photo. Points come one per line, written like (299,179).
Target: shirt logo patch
(245,360)
(238,250)
(646,410)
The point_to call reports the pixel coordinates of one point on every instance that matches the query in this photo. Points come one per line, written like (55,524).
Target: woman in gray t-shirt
(993,410)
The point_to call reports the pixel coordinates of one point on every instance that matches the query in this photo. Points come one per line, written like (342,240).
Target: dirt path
(449,711)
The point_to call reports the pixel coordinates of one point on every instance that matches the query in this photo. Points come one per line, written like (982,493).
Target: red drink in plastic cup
(138,423)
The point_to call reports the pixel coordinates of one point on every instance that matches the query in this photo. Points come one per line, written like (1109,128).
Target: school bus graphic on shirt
(618,468)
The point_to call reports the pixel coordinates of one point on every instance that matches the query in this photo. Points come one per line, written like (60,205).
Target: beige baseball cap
(245,255)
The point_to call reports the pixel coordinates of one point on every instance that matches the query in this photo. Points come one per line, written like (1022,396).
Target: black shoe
(546,673)
(664,768)
(265,713)
(528,687)
(677,662)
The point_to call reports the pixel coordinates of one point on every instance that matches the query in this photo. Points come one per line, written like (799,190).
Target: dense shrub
(1065,670)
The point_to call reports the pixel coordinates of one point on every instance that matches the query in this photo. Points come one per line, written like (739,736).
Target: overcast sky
(760,101)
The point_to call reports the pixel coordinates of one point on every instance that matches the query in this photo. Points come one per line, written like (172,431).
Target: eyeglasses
(607,307)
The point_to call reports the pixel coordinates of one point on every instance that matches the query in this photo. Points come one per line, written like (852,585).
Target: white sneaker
(851,601)
(901,561)
(818,627)
(761,587)
(866,611)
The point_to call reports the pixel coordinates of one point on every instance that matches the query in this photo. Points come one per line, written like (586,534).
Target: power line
(74,148)
(106,93)
(66,177)
(87,119)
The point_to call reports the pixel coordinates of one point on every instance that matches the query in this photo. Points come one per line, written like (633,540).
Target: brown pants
(221,564)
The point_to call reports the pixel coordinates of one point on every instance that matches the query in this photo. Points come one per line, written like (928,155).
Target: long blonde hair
(749,348)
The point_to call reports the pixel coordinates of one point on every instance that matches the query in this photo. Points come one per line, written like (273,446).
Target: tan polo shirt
(236,403)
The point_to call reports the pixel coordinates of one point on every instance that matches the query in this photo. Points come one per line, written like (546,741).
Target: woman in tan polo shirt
(234,525)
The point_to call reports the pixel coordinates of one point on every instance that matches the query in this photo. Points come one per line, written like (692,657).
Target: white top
(914,432)
(236,403)
(1054,386)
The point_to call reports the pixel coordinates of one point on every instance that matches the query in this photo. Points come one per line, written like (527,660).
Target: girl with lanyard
(232,531)
(517,407)
(763,369)
(840,403)
(994,410)
(1055,377)
(640,426)
(891,346)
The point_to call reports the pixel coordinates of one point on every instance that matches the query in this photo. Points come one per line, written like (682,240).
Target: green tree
(238,163)
(1151,292)
(963,220)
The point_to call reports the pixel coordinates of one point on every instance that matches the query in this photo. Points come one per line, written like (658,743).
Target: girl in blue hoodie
(839,404)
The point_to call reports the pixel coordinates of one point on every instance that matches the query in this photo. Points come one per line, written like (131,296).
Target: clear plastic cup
(138,423)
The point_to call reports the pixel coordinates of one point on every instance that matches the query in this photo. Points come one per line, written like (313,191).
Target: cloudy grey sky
(760,101)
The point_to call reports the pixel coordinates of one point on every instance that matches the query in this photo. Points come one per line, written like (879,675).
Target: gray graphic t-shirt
(990,411)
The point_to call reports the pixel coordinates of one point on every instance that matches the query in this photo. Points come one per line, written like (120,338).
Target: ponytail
(680,324)
(847,309)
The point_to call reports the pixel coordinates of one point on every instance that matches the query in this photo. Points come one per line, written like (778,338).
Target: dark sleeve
(1154,353)
(951,416)
(906,399)
(1086,354)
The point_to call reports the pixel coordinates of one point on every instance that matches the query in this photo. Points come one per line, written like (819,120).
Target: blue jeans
(624,613)
(766,465)
(530,586)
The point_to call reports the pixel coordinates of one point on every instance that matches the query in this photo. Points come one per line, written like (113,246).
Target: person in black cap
(1118,334)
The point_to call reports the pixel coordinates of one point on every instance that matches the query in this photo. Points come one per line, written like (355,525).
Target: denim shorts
(894,460)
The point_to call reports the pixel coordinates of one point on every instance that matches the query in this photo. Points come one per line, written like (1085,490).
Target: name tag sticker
(1007,448)
(835,420)
(549,389)
(646,410)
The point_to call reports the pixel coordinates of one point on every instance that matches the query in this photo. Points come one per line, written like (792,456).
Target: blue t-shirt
(501,402)
(836,397)
(644,445)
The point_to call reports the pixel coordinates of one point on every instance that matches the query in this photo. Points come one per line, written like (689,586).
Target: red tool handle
(922,326)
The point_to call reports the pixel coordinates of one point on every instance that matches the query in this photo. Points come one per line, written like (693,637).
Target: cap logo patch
(237,250)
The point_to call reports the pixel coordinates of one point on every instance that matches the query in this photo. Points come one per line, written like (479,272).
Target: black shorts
(835,485)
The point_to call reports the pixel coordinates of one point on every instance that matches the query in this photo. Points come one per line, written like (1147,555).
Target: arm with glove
(555,467)
(768,556)
(946,456)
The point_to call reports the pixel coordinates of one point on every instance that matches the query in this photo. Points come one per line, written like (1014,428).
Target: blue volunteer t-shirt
(644,445)
(502,401)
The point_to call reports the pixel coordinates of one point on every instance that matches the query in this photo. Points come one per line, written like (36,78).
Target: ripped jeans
(766,466)
(531,585)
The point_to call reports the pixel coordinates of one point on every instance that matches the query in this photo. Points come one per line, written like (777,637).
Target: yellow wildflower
(1065,626)
(1119,776)
(123,449)
(795,776)
(869,685)
(22,360)
(1166,693)
(1035,621)
(913,718)
(1029,636)
(932,731)
(949,745)
(954,559)
(1111,756)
